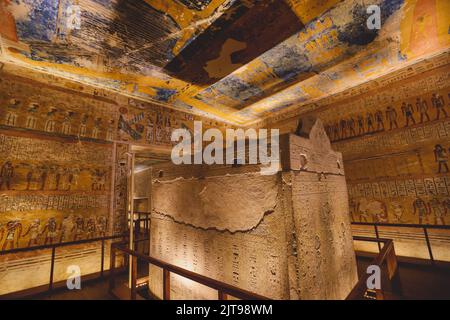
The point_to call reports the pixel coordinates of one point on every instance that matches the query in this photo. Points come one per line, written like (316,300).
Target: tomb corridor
(224,150)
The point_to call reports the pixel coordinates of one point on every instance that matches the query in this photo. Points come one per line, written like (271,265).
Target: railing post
(112,267)
(166,284)
(139,223)
(379,294)
(393,273)
(378,237)
(430,251)
(52,268)
(102,267)
(222,295)
(133,277)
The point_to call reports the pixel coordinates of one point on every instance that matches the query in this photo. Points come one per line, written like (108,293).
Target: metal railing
(423,227)
(223,289)
(141,217)
(53,247)
(386,257)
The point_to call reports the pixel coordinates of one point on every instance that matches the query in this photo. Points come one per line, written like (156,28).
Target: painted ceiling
(238,61)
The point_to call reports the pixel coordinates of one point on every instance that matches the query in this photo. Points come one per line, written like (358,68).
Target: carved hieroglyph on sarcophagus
(285,236)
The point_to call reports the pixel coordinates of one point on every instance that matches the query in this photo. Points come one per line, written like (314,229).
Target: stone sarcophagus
(284,236)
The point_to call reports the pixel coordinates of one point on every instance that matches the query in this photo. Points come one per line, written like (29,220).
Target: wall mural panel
(396,146)
(62,149)
(63,157)
(394,134)
(57,110)
(52,191)
(44,108)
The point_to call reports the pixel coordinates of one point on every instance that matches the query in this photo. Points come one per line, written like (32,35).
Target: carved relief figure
(51,229)
(421,208)
(96,129)
(6,175)
(69,179)
(360,121)
(31,119)
(343,125)
(102,181)
(83,125)
(67,124)
(99,180)
(150,136)
(159,134)
(34,232)
(159,118)
(438,103)
(336,131)
(351,127)
(29,179)
(57,178)
(374,208)
(78,228)
(11,115)
(43,179)
(90,228)
(408,112)
(50,125)
(110,132)
(441,157)
(438,211)
(65,228)
(379,120)
(369,122)
(422,108)
(391,116)
(446,204)
(102,224)
(398,212)
(13,232)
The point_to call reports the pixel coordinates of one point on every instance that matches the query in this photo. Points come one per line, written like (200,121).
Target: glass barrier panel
(440,244)
(408,241)
(24,270)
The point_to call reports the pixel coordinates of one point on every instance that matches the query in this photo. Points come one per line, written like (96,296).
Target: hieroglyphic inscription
(52,189)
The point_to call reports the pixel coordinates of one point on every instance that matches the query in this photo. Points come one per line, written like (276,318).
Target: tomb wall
(64,162)
(391,157)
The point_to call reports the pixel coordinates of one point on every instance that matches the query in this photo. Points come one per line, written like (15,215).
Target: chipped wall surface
(254,260)
(194,201)
(286,236)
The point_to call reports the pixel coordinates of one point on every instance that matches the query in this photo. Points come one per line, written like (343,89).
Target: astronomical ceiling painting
(237,61)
